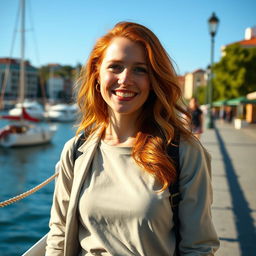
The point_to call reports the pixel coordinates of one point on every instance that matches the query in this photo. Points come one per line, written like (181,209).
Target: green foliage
(201,94)
(67,72)
(235,74)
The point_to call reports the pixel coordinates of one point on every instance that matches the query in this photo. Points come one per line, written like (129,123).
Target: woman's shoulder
(194,159)
(192,147)
(69,146)
(78,141)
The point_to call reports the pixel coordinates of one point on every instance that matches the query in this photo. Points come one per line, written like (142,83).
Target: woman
(114,198)
(197,117)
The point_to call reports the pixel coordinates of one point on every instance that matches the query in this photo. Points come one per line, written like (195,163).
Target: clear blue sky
(65,30)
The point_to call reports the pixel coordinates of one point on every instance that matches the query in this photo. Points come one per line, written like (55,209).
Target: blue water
(25,222)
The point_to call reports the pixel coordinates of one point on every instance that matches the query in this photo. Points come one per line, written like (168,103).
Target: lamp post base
(209,121)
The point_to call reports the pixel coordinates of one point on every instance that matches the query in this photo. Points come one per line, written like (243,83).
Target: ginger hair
(163,115)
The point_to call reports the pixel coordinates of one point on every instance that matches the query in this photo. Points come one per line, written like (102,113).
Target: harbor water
(25,222)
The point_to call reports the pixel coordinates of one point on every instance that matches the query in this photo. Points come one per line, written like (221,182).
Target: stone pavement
(234,187)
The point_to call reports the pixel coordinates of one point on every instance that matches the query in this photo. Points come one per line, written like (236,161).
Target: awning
(219,103)
(234,102)
(239,101)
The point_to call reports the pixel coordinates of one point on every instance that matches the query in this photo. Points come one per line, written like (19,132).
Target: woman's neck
(121,131)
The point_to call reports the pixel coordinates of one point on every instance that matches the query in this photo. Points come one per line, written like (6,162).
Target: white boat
(25,134)
(62,113)
(33,108)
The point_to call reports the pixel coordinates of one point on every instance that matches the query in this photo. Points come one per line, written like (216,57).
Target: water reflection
(24,222)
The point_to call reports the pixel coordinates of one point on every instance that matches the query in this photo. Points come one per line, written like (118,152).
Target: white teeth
(125,94)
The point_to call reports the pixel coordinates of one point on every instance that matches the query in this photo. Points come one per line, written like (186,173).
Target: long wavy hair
(163,115)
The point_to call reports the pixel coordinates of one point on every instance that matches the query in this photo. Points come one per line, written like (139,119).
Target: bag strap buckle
(175,199)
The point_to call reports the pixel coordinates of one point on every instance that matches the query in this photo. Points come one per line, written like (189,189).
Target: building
(249,40)
(59,88)
(181,81)
(251,108)
(192,81)
(55,87)
(10,79)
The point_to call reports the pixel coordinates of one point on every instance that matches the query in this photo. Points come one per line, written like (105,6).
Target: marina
(22,168)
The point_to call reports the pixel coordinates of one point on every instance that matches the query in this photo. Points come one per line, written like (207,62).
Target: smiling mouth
(125,94)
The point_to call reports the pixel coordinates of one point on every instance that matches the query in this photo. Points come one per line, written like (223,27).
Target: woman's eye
(140,70)
(116,68)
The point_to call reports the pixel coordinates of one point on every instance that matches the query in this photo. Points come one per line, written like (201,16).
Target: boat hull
(37,249)
(34,109)
(62,113)
(33,136)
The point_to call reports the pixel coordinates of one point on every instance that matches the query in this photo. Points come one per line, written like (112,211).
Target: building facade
(249,40)
(59,88)
(10,79)
(192,81)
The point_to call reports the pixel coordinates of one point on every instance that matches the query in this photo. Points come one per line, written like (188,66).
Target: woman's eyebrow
(120,61)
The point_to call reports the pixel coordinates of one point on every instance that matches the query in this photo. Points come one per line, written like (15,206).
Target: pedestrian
(229,114)
(114,198)
(196,117)
(223,113)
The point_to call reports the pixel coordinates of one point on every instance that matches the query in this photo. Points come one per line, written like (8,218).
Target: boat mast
(22,51)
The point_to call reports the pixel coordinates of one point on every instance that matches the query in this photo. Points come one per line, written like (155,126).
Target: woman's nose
(125,77)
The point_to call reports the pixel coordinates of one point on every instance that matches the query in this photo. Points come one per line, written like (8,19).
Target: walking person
(113,199)
(197,117)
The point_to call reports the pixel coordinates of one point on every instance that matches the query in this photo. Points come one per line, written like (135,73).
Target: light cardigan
(197,231)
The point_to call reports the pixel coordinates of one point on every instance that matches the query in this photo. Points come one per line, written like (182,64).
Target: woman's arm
(198,235)
(56,235)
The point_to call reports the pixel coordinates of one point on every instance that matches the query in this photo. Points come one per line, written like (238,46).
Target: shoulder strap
(79,142)
(173,152)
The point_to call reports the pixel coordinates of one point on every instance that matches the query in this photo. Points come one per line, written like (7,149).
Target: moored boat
(25,134)
(33,108)
(62,113)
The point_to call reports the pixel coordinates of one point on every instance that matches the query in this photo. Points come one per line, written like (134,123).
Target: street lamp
(207,79)
(213,23)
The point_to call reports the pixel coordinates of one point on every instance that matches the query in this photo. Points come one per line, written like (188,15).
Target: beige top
(120,210)
(197,230)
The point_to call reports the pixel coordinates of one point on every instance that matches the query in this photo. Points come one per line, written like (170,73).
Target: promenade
(234,187)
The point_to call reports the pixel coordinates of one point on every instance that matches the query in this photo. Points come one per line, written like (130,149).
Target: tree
(201,94)
(65,71)
(235,74)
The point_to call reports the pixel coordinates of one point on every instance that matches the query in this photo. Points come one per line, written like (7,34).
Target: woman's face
(123,77)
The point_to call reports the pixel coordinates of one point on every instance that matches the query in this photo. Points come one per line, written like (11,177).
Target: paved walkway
(234,185)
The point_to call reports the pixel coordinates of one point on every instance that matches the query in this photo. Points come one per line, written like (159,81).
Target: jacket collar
(93,139)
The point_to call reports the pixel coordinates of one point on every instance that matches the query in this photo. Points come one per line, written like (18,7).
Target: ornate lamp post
(213,23)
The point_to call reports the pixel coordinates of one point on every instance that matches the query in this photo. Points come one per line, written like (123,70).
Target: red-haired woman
(114,198)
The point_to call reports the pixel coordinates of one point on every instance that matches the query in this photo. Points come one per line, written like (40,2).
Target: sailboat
(24,131)
(33,108)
